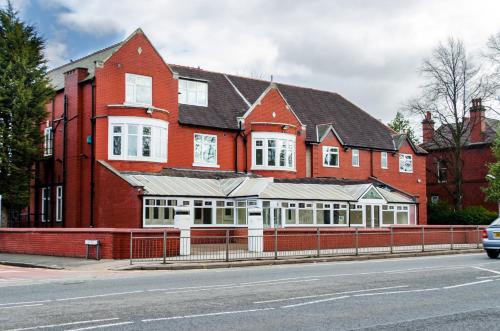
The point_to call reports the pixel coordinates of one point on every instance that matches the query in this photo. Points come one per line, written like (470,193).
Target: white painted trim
(130,105)
(201,163)
(386,160)
(129,74)
(352,157)
(399,163)
(141,121)
(259,99)
(59,202)
(325,148)
(256,135)
(238,91)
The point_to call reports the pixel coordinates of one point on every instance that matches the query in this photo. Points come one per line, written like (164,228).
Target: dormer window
(138,90)
(193,92)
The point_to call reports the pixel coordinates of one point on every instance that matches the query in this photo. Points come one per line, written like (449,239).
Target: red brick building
(129,136)
(480,133)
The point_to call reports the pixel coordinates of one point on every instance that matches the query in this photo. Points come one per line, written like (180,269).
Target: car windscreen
(496,222)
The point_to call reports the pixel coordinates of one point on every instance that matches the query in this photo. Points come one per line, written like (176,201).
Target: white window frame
(59,203)
(267,136)
(193,87)
(355,157)
(384,164)
(331,150)
(48,142)
(202,163)
(403,157)
(159,133)
(131,90)
(45,204)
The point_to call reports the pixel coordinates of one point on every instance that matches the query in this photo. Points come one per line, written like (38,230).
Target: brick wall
(115,243)
(474,172)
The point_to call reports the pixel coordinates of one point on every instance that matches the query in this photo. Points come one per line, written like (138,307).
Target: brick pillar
(72,190)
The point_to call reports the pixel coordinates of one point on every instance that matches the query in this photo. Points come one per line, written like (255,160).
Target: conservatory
(225,202)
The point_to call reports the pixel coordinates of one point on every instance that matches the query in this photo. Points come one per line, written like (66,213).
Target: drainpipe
(371,163)
(92,157)
(238,134)
(65,156)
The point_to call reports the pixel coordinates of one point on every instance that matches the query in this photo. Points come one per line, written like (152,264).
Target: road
(459,292)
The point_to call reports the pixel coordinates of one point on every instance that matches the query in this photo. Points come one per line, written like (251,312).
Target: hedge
(442,213)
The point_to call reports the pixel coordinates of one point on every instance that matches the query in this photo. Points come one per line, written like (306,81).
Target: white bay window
(273,151)
(137,139)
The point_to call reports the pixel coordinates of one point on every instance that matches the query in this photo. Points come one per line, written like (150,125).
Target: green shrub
(442,213)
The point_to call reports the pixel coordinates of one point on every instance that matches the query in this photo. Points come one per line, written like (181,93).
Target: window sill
(137,160)
(330,166)
(206,165)
(355,166)
(142,106)
(273,169)
(406,172)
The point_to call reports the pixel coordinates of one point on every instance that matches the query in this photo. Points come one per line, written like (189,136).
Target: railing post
(275,243)
(164,247)
(451,244)
(357,241)
(478,236)
(318,240)
(131,240)
(423,238)
(227,245)
(392,240)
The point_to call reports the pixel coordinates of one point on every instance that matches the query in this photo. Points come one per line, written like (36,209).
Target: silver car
(491,239)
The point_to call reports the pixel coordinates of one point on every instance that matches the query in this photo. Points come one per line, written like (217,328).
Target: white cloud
(369,51)
(56,53)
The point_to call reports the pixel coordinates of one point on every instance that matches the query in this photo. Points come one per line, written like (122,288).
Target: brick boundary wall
(115,243)
(70,242)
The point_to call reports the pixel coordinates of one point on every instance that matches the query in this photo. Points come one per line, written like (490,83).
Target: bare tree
(452,81)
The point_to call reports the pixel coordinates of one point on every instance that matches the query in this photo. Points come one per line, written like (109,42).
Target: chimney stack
(427,128)
(477,121)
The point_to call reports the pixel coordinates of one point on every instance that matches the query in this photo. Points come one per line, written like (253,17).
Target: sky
(368,51)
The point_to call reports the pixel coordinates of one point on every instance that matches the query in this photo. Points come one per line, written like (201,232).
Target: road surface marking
(489,270)
(100,295)
(34,305)
(206,315)
(64,324)
(487,277)
(398,292)
(230,284)
(316,301)
(22,303)
(330,294)
(467,284)
(238,286)
(102,326)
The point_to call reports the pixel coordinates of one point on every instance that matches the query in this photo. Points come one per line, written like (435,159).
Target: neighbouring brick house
(476,154)
(129,136)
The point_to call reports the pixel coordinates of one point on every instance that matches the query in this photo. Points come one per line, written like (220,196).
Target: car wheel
(493,253)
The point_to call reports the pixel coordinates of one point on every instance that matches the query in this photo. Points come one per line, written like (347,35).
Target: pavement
(443,292)
(87,265)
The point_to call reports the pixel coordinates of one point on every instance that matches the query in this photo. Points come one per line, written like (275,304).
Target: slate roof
(445,130)
(314,108)
(230,96)
(224,102)
(56,75)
